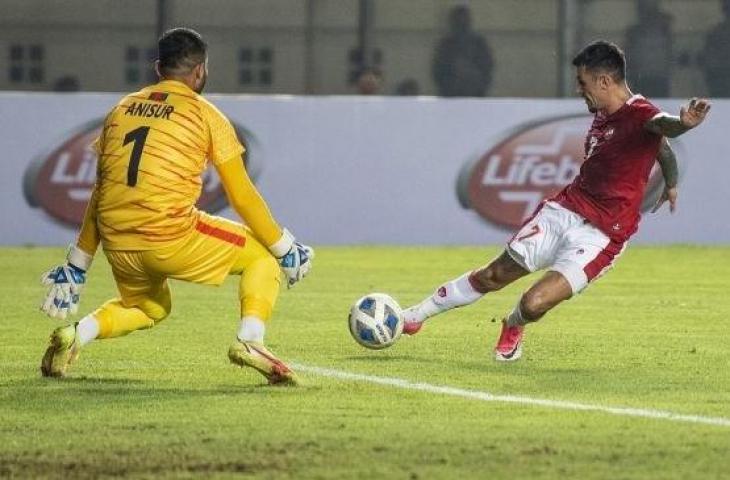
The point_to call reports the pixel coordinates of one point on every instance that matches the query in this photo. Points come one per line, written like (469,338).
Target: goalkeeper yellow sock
(115,320)
(259,288)
(257,293)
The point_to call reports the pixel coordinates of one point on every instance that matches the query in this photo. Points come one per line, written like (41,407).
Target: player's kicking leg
(545,294)
(463,290)
(554,238)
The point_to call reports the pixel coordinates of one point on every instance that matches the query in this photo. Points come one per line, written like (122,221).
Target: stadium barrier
(364,170)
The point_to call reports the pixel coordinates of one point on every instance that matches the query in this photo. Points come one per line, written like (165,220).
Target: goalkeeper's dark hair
(180,50)
(605,56)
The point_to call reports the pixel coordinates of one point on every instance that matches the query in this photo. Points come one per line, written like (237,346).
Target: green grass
(166,403)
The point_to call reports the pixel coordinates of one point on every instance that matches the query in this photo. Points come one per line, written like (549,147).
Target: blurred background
(465,111)
(493,48)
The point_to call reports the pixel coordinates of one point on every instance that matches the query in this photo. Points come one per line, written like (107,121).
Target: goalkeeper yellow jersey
(152,152)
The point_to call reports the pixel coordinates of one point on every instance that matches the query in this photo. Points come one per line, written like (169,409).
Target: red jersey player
(578,234)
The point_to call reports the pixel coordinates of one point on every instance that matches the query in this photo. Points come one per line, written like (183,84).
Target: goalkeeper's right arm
(65,281)
(88,239)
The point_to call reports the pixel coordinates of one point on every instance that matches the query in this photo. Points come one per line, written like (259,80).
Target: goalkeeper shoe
(411,324)
(258,357)
(63,349)
(509,346)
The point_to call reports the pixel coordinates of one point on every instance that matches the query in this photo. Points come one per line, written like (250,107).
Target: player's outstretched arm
(294,258)
(668,163)
(690,115)
(66,281)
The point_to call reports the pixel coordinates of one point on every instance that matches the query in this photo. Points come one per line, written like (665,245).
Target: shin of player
(463,290)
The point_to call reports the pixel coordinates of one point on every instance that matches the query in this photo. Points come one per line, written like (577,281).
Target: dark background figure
(462,65)
(716,56)
(408,87)
(649,50)
(67,83)
(369,81)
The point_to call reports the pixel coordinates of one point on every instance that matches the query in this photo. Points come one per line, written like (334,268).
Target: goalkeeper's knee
(157,311)
(158,306)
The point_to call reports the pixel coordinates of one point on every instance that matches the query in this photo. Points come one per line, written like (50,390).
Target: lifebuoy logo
(532,162)
(60,181)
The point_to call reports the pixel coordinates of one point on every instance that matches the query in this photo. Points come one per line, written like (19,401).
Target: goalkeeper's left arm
(66,281)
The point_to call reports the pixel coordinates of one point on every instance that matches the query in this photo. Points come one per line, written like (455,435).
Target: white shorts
(560,240)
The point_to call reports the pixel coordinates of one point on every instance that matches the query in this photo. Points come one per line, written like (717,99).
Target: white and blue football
(376,321)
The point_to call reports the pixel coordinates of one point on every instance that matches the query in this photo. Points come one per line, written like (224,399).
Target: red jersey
(620,154)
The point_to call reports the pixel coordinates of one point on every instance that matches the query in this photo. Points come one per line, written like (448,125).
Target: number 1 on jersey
(138,136)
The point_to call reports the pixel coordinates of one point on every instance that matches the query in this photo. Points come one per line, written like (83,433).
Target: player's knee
(266,266)
(270,264)
(157,314)
(487,279)
(262,272)
(158,310)
(534,304)
(160,314)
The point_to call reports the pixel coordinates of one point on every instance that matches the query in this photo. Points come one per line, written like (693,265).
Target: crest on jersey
(533,161)
(158,96)
(60,180)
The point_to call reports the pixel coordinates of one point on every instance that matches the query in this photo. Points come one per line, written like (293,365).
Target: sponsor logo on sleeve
(60,180)
(530,163)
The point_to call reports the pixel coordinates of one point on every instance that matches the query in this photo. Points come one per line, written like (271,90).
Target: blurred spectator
(462,64)
(369,82)
(649,49)
(67,83)
(408,87)
(716,56)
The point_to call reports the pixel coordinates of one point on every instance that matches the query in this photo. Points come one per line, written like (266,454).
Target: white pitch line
(490,397)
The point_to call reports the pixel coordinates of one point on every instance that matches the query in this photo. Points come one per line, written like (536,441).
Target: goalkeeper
(151,154)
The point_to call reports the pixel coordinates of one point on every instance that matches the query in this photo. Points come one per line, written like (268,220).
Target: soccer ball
(376,321)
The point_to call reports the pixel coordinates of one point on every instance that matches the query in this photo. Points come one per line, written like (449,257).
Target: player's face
(588,87)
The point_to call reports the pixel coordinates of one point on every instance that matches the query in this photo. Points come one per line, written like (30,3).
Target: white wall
(352,170)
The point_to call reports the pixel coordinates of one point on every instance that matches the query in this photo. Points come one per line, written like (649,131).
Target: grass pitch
(165,403)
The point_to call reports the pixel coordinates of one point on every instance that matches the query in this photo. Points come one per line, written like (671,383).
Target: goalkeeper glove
(295,259)
(65,283)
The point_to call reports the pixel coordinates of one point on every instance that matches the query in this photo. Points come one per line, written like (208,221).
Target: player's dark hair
(602,55)
(179,50)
